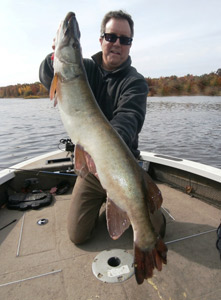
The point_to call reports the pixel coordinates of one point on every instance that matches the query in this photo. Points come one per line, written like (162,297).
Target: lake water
(184,127)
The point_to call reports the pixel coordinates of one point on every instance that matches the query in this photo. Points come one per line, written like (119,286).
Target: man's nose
(117,42)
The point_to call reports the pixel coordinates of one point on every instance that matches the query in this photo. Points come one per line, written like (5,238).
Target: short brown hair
(117,14)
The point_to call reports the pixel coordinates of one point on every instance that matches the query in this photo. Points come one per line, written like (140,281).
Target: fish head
(67,44)
(67,62)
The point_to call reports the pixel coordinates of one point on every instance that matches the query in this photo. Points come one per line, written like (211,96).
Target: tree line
(189,85)
(33,90)
(207,84)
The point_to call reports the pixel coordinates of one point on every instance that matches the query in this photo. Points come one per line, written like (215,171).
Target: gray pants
(87,199)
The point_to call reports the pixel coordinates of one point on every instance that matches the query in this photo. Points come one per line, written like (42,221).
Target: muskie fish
(131,194)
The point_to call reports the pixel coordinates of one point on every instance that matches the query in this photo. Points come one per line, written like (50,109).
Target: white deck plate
(113,266)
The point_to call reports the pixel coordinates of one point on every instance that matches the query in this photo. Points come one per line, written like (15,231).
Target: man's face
(114,54)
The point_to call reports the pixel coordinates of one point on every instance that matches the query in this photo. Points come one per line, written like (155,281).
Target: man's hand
(53,44)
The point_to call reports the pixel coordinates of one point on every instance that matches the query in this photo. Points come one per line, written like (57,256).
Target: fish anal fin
(117,220)
(53,87)
(153,194)
(146,261)
(80,163)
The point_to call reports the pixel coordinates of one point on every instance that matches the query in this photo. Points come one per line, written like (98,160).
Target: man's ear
(101,40)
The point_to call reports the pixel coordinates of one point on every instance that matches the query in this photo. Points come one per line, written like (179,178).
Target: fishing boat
(38,261)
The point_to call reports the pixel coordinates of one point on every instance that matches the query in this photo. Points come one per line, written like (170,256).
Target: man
(121,93)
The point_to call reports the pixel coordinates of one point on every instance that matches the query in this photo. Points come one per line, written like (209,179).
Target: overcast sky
(172,37)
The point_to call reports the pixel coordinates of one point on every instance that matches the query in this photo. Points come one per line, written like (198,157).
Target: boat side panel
(194,185)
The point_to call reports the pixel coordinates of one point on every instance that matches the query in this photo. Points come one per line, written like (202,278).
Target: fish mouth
(71,29)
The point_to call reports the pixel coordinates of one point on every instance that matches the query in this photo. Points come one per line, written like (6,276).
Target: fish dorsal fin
(53,87)
(117,220)
(80,163)
(153,194)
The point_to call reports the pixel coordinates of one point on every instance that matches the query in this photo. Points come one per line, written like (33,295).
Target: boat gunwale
(9,173)
(196,168)
(200,169)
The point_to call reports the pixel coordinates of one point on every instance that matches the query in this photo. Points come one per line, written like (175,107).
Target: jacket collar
(97,58)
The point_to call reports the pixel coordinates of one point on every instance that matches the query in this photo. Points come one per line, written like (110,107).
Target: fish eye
(75,45)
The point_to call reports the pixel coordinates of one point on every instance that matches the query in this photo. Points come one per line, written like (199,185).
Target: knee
(77,235)
(76,239)
(74,236)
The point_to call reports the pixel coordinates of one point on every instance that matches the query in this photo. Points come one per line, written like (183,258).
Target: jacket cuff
(46,71)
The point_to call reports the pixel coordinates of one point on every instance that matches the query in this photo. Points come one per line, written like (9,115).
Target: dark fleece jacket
(121,95)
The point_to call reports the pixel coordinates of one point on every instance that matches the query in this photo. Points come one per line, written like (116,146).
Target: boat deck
(40,262)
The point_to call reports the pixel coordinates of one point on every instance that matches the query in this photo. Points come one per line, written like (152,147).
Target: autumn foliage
(34,90)
(207,84)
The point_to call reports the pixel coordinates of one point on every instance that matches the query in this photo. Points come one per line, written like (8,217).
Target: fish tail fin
(145,261)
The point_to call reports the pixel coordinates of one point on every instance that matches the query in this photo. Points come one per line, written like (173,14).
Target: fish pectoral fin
(53,87)
(117,219)
(145,261)
(80,163)
(154,197)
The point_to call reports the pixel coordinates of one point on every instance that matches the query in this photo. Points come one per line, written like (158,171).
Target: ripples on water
(29,128)
(185,127)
